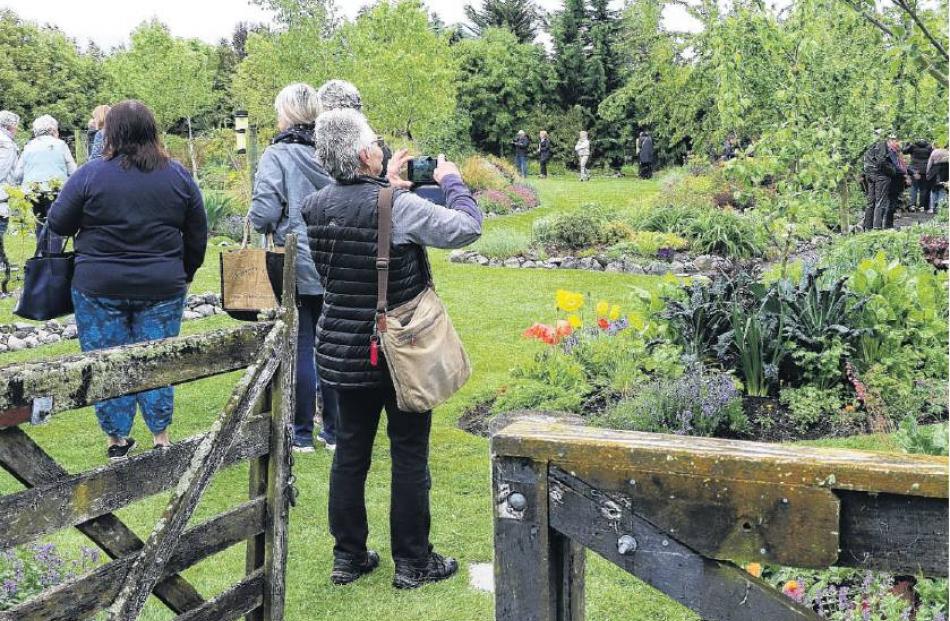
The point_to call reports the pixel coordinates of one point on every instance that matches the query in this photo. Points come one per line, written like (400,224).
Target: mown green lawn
(490,307)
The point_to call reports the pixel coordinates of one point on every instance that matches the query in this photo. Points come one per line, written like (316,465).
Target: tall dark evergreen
(569,34)
(522,17)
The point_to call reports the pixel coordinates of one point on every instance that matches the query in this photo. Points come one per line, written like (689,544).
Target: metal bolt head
(517,501)
(626,545)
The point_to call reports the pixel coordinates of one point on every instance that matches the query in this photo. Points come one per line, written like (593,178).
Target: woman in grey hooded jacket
(286,174)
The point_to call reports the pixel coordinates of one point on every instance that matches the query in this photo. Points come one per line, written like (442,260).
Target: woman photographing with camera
(343,230)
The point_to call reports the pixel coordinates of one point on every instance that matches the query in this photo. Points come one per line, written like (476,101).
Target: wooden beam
(78,381)
(78,498)
(533,566)
(716,591)
(282,409)
(729,520)
(244,597)
(32,466)
(208,457)
(85,596)
(837,469)
(898,534)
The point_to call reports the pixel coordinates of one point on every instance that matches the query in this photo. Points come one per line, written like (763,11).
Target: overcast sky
(109,22)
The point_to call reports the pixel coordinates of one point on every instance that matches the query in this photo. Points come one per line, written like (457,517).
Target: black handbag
(47,281)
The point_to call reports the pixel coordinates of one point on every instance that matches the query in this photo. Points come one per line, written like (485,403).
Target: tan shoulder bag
(426,360)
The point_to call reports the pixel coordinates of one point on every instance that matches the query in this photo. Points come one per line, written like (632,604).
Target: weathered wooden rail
(253,426)
(679,512)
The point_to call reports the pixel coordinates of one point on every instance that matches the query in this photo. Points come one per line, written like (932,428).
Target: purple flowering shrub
(701,402)
(841,594)
(28,570)
(494,201)
(527,195)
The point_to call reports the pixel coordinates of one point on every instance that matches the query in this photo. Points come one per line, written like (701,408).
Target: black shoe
(117,452)
(347,570)
(412,575)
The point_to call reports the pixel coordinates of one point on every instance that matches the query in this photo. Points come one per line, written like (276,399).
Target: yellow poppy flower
(575,321)
(603,307)
(568,301)
(755,569)
(614,313)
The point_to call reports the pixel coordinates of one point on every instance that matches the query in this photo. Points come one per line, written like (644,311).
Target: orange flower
(541,332)
(794,590)
(564,328)
(603,323)
(754,569)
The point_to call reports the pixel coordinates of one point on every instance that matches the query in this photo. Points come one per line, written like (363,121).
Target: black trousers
(878,202)
(409,516)
(544,166)
(646,170)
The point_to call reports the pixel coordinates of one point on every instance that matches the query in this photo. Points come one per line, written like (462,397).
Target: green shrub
(646,244)
(924,440)
(670,219)
(584,227)
(846,252)
(529,394)
(726,233)
(810,406)
(500,243)
(218,206)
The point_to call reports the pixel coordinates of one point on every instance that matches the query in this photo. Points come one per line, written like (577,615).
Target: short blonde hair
(99,115)
(297,104)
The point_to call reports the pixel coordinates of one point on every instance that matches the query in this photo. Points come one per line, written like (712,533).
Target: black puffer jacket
(341,226)
(919,154)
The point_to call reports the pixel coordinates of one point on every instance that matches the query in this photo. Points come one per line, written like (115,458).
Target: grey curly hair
(9,119)
(297,104)
(339,94)
(340,135)
(45,126)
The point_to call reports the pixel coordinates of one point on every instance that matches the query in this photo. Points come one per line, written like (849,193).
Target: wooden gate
(678,511)
(253,425)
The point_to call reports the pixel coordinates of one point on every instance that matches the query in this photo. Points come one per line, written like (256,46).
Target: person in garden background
(900,179)
(140,235)
(544,152)
(919,152)
(342,227)
(43,167)
(98,121)
(937,175)
(9,152)
(286,174)
(582,148)
(645,155)
(521,144)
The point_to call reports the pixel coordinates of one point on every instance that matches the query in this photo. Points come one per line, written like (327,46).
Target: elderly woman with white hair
(9,152)
(44,166)
(342,226)
(286,174)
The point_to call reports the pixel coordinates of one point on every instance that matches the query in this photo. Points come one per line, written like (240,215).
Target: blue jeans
(308,382)
(521,161)
(938,194)
(109,322)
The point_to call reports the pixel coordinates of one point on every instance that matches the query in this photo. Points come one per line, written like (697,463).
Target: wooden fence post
(279,481)
(539,574)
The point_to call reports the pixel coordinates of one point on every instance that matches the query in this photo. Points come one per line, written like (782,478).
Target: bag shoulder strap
(384,237)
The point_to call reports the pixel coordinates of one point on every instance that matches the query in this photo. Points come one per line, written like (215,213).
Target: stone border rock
(679,265)
(22,335)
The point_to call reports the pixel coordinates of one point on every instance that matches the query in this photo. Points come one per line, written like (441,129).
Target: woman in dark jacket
(920,188)
(342,227)
(544,152)
(140,235)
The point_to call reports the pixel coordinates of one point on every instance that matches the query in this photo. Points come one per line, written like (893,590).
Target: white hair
(339,137)
(45,126)
(339,94)
(297,104)
(9,119)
